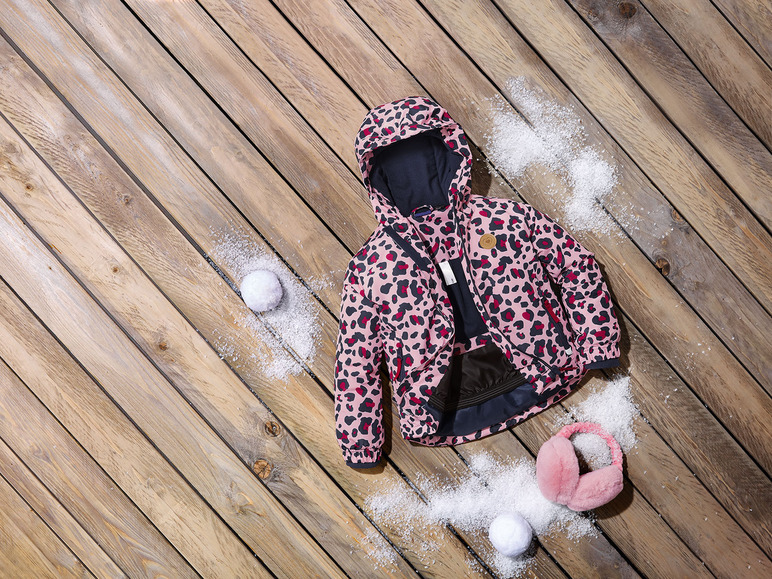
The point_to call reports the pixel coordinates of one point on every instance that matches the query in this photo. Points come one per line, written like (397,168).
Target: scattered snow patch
(290,331)
(552,136)
(612,407)
(491,487)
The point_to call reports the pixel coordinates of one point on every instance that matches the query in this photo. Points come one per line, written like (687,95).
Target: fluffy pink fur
(557,471)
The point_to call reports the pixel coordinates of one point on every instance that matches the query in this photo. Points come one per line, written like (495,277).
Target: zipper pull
(447,272)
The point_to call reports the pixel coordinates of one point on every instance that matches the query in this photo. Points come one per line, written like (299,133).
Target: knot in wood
(627,10)
(272,428)
(262,468)
(29,186)
(663,265)
(115,269)
(163,346)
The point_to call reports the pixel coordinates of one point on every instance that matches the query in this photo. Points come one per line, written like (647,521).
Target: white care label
(447,272)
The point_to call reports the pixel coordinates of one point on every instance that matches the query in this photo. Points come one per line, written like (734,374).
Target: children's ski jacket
(456,292)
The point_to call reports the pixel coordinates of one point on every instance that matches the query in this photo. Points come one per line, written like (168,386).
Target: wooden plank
(82,486)
(149,399)
(728,63)
(754,21)
(268,39)
(28,541)
(174,23)
(256,190)
(691,103)
(187,276)
(627,113)
(58,519)
(120,449)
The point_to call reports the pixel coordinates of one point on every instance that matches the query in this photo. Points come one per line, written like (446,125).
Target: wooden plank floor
(133,131)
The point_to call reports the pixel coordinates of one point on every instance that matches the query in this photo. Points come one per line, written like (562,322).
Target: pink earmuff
(557,470)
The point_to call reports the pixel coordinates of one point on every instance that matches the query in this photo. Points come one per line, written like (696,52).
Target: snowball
(261,290)
(511,534)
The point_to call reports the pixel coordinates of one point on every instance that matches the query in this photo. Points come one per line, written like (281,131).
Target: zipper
(484,396)
(487,317)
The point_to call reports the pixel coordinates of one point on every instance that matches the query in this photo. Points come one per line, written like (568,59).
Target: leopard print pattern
(393,308)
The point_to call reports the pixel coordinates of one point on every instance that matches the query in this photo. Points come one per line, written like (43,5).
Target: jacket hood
(412,154)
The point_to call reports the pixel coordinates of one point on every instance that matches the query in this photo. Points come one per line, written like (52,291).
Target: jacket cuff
(608,363)
(362,464)
(365,458)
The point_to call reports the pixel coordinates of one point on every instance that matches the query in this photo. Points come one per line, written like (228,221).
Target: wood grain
(726,59)
(146,395)
(137,468)
(257,191)
(685,96)
(753,20)
(81,485)
(27,541)
(58,519)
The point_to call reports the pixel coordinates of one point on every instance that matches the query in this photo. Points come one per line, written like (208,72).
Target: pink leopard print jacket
(485,310)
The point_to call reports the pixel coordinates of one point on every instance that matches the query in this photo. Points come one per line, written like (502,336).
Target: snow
(591,450)
(494,486)
(491,487)
(552,137)
(612,407)
(289,332)
(511,534)
(261,290)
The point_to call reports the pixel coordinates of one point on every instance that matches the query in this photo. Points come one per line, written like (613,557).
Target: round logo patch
(488,241)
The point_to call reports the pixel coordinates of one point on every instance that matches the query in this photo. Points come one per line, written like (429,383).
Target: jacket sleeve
(584,293)
(358,392)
